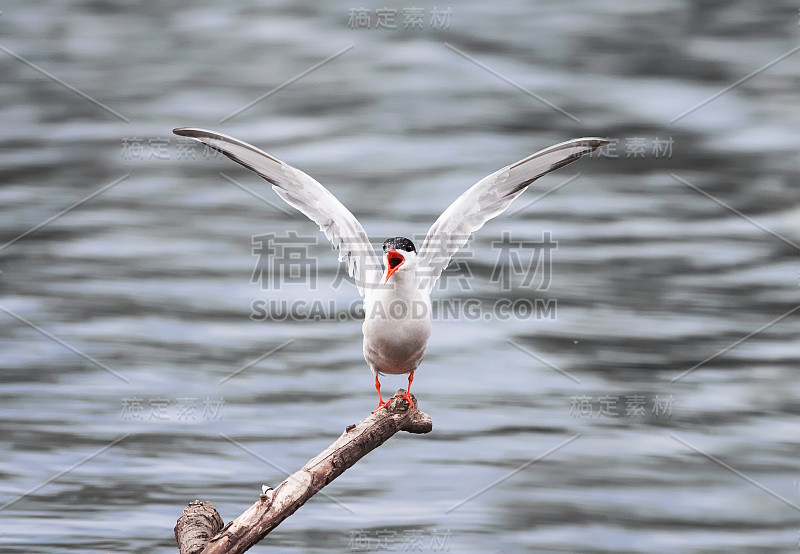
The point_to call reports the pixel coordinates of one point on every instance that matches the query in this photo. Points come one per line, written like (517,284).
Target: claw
(406,395)
(381,405)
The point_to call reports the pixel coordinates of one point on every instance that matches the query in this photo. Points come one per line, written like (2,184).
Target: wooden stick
(275,505)
(199,522)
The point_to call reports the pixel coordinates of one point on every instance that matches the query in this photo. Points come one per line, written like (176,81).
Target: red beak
(394,260)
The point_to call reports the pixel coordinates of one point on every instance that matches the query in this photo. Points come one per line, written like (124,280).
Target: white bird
(397,304)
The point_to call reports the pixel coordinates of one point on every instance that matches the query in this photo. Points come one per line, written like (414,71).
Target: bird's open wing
(489,198)
(307,195)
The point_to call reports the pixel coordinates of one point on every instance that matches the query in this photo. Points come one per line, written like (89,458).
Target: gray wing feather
(304,193)
(487,199)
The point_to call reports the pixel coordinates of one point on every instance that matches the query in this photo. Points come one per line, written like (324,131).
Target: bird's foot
(381,405)
(405,395)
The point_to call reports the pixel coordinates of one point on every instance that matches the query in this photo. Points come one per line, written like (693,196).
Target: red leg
(407,395)
(381,403)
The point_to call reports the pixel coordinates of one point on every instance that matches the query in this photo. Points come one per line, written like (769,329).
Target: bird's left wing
(488,198)
(304,193)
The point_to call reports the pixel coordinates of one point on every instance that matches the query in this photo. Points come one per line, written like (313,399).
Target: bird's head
(400,255)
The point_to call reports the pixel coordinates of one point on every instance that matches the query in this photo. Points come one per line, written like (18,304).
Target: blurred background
(651,407)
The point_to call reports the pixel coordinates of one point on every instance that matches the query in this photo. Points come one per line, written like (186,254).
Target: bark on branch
(200,520)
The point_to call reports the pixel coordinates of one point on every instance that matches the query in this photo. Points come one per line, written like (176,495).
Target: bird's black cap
(398,243)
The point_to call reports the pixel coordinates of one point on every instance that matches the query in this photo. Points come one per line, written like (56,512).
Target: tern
(397,322)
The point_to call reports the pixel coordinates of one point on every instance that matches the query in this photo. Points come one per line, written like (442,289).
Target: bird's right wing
(304,193)
(488,198)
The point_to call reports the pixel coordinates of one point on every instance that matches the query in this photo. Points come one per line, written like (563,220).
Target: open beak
(394,260)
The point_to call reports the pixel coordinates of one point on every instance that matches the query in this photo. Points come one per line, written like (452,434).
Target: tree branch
(199,522)
(275,505)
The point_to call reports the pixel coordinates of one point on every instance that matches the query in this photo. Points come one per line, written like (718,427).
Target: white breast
(396,329)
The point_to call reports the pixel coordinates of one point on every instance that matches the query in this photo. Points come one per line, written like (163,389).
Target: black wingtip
(181,131)
(595,142)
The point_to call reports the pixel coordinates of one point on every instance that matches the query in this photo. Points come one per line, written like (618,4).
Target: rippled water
(121,316)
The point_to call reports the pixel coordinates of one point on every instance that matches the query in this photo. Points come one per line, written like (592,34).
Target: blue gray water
(676,250)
